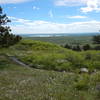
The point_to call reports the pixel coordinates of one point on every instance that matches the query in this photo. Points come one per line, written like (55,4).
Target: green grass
(20,83)
(44,55)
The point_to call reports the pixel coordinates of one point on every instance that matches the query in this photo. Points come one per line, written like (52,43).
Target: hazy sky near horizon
(52,16)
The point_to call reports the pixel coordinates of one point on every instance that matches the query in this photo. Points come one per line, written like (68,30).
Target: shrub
(96,39)
(86,47)
(82,82)
(75,59)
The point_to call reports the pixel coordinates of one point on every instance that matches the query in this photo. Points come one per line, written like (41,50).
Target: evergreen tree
(97,48)
(86,47)
(96,39)
(68,46)
(76,48)
(6,38)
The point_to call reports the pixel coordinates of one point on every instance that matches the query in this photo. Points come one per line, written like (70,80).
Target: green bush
(82,82)
(75,59)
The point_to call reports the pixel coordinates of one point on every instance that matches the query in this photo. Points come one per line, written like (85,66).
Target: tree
(68,46)
(76,48)
(96,39)
(86,47)
(97,48)
(6,37)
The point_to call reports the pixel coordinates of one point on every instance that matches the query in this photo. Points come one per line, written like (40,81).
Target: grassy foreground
(20,83)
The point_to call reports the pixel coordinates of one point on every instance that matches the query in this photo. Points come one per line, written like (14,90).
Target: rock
(84,70)
(61,61)
(64,71)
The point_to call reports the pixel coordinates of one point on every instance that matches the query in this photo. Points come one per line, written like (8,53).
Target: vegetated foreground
(21,83)
(59,81)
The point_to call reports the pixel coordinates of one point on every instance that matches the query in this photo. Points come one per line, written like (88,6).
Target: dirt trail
(14,59)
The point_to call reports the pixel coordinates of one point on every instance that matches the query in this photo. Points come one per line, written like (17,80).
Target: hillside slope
(44,55)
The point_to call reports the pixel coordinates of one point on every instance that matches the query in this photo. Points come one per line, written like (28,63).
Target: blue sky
(53,16)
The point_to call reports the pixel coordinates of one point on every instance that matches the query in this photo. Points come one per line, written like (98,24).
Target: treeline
(96,45)
(6,37)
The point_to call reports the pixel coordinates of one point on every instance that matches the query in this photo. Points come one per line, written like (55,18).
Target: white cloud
(15,7)
(39,26)
(77,17)
(35,8)
(92,5)
(19,20)
(12,1)
(88,5)
(50,14)
(70,2)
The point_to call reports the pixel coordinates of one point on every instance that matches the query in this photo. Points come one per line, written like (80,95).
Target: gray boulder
(84,70)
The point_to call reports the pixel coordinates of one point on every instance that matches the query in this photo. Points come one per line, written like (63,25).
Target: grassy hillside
(56,74)
(21,83)
(44,55)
